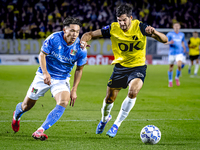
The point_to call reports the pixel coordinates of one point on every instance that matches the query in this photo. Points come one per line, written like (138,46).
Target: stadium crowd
(39,18)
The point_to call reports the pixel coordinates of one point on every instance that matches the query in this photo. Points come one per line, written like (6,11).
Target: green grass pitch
(175,111)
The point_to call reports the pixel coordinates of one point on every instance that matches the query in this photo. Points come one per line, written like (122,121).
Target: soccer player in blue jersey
(59,53)
(176,48)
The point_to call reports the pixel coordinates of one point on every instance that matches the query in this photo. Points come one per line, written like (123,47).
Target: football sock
(178,73)
(41,128)
(53,117)
(196,69)
(182,66)
(105,110)
(170,75)
(190,66)
(126,107)
(19,111)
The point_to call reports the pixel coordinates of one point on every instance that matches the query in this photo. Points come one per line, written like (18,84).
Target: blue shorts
(121,76)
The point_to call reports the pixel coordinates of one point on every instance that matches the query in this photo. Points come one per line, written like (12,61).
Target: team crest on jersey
(34,90)
(73,52)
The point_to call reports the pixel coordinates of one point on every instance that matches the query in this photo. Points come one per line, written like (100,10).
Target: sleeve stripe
(142,29)
(106,31)
(43,52)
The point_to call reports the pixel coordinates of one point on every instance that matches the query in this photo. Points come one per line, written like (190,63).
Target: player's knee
(110,100)
(63,103)
(132,93)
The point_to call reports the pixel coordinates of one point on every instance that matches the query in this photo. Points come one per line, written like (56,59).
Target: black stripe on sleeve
(106,31)
(142,29)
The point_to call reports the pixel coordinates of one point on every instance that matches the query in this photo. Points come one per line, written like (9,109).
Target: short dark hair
(124,9)
(71,20)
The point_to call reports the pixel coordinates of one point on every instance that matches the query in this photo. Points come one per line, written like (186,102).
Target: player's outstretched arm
(156,35)
(88,36)
(77,78)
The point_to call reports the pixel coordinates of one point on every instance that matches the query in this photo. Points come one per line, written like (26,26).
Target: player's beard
(126,27)
(123,27)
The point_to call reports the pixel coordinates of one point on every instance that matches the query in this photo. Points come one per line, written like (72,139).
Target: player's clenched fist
(149,30)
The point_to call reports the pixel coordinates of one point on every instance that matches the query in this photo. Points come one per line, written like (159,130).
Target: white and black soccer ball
(150,134)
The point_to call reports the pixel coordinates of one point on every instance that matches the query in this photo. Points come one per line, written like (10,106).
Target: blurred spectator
(21,16)
(42,31)
(1,34)
(25,32)
(48,32)
(34,28)
(8,33)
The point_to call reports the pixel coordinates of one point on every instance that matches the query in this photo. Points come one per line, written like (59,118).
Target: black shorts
(121,76)
(194,57)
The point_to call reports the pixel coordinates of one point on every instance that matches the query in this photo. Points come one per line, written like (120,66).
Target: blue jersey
(61,57)
(176,47)
(187,48)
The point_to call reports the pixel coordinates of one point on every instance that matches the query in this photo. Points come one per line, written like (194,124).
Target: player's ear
(65,28)
(131,17)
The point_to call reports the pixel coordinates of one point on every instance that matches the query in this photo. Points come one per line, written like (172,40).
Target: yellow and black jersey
(129,48)
(194,43)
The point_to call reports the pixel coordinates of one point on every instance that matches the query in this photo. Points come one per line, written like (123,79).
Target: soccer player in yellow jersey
(194,48)
(128,39)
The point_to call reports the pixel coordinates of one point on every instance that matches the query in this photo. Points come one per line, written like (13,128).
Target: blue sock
(178,73)
(182,66)
(53,117)
(170,75)
(19,111)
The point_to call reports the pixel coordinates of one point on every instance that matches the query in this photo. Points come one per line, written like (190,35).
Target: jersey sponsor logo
(73,52)
(124,47)
(65,58)
(135,37)
(59,47)
(34,90)
(177,40)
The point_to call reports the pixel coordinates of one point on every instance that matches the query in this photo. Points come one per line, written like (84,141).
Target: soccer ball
(150,134)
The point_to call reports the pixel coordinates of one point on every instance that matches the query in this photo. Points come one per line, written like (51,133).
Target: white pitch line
(97,120)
